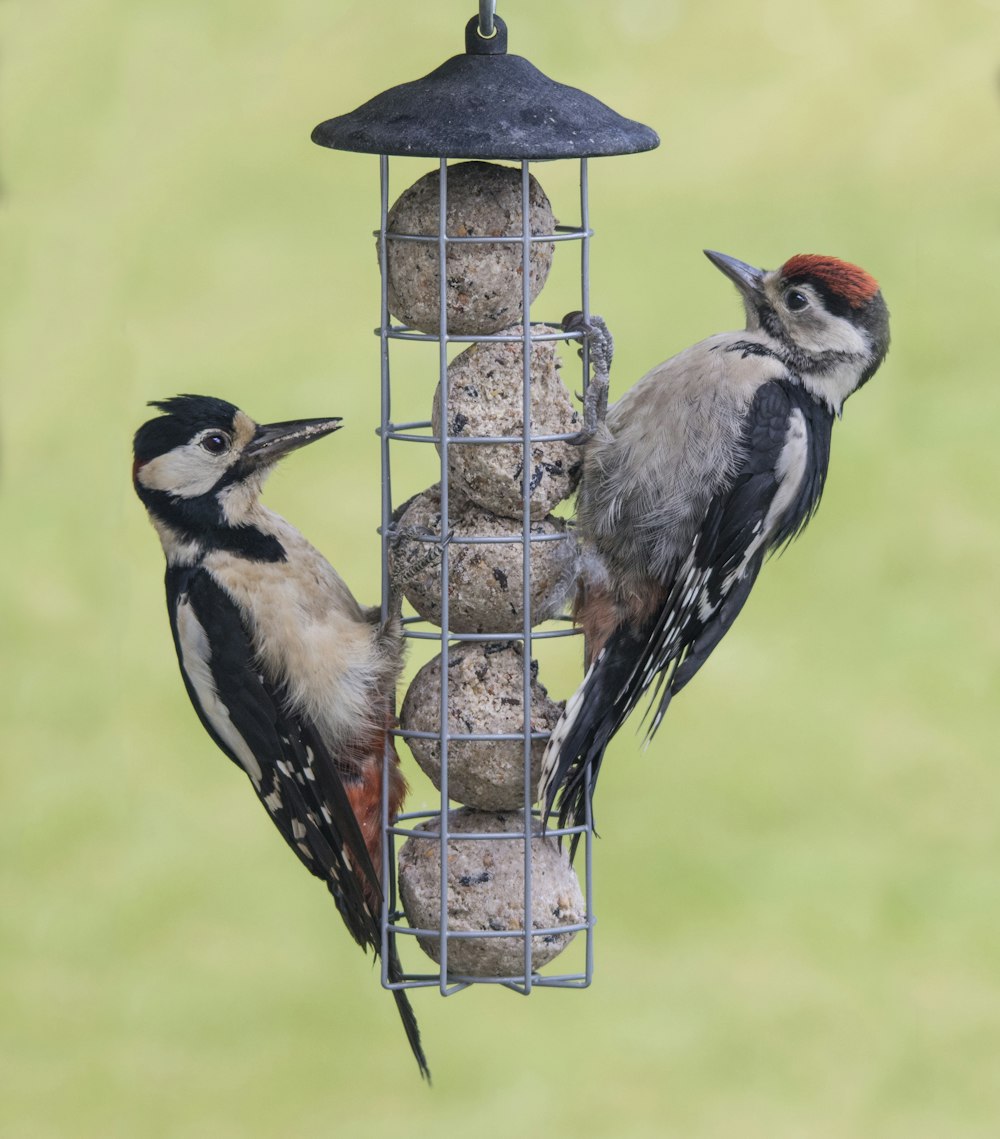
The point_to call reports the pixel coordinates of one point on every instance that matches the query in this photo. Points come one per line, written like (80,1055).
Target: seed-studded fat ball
(486,892)
(485,694)
(485,398)
(484,281)
(485,582)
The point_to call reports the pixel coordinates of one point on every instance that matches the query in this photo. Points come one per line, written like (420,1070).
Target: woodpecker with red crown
(289,675)
(709,463)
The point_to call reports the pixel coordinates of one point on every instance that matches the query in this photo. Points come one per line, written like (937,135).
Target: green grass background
(797,884)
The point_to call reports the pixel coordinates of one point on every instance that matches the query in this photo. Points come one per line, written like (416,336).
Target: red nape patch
(136,464)
(840,277)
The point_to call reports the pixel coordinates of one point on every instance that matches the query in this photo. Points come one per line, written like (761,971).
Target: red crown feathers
(840,277)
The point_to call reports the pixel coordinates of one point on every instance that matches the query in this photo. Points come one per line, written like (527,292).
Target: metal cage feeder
(482,105)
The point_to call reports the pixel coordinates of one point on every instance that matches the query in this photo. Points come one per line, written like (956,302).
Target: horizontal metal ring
(406,332)
(467,737)
(562,233)
(401,432)
(536,635)
(468,934)
(484,540)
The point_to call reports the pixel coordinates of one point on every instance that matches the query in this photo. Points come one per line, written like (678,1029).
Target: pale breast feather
(311,638)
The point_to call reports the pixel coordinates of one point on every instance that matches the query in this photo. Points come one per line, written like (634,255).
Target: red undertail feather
(365,795)
(840,277)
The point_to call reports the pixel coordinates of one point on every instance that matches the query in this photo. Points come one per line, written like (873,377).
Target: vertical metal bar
(386,397)
(445,528)
(388,840)
(584,242)
(588,885)
(487,10)
(585,269)
(526,460)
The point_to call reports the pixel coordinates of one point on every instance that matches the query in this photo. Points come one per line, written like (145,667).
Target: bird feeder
(487,567)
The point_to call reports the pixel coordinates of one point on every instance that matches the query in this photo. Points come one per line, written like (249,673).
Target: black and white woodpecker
(709,463)
(289,675)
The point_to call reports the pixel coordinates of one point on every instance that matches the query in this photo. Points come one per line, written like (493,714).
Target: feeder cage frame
(487,105)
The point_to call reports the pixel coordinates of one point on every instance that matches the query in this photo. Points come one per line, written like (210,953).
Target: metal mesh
(421,432)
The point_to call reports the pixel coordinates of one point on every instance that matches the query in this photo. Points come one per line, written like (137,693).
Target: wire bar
(526,677)
(466,737)
(461,440)
(483,836)
(562,233)
(545,634)
(539,981)
(388,866)
(487,934)
(485,540)
(405,332)
(487,10)
(445,529)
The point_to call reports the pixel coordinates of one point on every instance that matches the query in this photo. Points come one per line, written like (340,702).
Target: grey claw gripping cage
(482,105)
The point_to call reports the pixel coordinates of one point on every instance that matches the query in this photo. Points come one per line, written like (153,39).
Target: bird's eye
(216,444)
(795,300)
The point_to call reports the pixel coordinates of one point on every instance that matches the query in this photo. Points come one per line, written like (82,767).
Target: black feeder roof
(486,104)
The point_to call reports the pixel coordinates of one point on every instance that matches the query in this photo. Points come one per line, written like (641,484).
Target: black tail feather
(608,694)
(356,887)
(406,1014)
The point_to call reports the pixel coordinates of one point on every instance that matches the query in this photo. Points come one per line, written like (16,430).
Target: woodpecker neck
(189,528)
(829,376)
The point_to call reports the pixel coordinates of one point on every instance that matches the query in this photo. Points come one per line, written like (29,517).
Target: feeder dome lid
(486,104)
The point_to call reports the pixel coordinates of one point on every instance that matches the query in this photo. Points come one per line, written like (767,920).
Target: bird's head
(828,314)
(202,445)
(198,467)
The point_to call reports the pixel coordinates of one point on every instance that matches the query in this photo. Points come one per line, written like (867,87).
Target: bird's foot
(403,570)
(599,345)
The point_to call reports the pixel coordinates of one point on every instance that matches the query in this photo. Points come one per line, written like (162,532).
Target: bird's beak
(274,440)
(745,277)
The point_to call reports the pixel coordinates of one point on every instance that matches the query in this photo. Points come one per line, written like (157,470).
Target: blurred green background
(797,884)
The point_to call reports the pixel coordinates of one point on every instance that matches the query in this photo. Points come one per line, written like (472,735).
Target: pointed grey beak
(274,440)
(745,277)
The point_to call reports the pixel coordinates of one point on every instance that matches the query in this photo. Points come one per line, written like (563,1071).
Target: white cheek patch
(830,334)
(195,653)
(185,472)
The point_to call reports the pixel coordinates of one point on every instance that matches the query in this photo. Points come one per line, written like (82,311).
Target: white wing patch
(195,654)
(550,760)
(791,469)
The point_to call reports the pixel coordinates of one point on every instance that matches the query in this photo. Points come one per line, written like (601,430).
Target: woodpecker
(289,675)
(713,460)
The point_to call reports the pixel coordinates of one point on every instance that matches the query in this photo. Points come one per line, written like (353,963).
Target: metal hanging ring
(487,28)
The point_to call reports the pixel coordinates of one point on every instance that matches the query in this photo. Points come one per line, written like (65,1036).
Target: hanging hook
(487,29)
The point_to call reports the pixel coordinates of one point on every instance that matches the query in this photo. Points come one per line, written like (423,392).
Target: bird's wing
(293,774)
(291,770)
(770,497)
